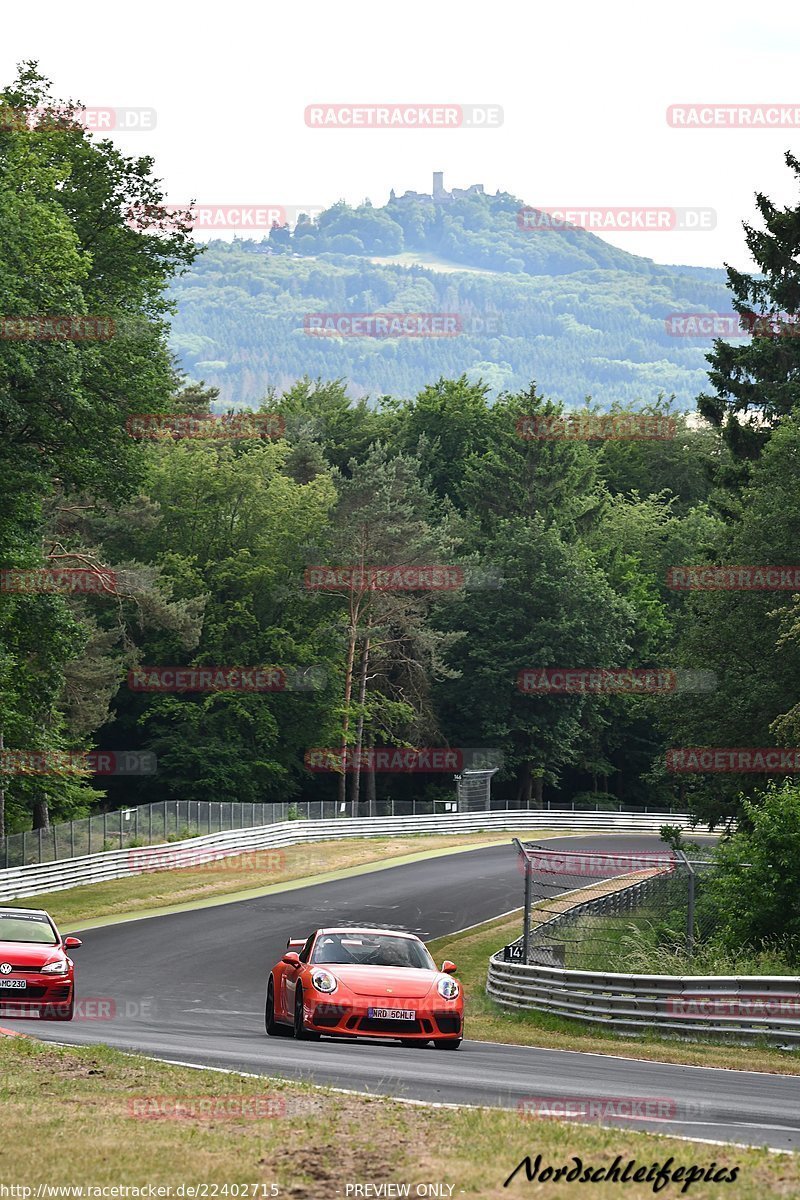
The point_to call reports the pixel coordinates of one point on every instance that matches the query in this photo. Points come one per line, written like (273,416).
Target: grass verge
(309,1142)
(487,1021)
(245,874)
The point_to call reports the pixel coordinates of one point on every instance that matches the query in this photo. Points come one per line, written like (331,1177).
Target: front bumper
(350,1018)
(40,992)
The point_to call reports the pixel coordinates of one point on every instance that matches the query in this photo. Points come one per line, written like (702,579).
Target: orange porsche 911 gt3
(377,983)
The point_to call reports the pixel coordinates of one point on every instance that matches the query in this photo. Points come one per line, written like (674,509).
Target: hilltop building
(440,195)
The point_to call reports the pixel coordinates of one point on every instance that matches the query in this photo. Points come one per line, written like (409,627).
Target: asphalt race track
(190,987)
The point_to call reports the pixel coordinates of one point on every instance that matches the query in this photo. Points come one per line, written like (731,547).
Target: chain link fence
(146,825)
(591,911)
(175,820)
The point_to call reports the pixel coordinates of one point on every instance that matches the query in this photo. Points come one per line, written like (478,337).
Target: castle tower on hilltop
(439,194)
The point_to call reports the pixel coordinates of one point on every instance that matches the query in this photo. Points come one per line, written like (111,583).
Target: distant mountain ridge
(560,306)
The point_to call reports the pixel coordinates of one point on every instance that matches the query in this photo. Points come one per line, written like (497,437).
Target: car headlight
(59,967)
(448,988)
(323,981)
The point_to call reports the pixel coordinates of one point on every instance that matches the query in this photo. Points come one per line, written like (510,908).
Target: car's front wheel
(273,1027)
(447,1043)
(300,1032)
(59,1012)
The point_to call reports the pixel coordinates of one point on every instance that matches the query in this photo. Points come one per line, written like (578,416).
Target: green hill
(562,307)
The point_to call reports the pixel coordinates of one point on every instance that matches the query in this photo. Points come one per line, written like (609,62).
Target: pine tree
(760,378)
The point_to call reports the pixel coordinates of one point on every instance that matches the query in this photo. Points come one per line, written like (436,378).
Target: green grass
(74,1117)
(652,942)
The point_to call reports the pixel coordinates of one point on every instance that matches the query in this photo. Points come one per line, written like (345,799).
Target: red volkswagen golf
(36,974)
(365,983)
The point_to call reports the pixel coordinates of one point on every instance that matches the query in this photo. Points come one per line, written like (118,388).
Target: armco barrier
(744,1006)
(36,879)
(740,1006)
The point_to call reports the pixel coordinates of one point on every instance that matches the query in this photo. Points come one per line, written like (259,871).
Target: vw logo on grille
(5,968)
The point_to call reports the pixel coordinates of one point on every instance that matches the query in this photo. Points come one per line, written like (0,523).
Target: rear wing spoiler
(295,943)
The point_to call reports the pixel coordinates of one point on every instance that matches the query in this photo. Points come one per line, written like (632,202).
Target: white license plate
(13,983)
(393,1014)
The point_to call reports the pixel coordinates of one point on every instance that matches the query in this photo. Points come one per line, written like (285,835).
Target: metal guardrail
(171,820)
(747,1006)
(744,1006)
(41,878)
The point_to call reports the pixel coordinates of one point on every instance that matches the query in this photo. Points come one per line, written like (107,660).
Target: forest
(202,534)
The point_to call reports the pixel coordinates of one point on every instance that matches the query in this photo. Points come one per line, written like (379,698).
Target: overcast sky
(584,88)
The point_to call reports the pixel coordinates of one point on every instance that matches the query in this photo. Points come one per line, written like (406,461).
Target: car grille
(18,969)
(384,1025)
(15,996)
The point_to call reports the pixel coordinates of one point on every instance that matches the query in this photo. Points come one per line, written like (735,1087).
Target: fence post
(105,829)
(689,907)
(526,913)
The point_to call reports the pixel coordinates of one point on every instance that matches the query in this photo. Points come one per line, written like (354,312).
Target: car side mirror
(72,943)
(292,959)
(448,967)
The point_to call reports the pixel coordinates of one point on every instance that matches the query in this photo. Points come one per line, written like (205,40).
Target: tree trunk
(348,691)
(524,787)
(538,789)
(362,692)
(371,789)
(2,793)
(41,813)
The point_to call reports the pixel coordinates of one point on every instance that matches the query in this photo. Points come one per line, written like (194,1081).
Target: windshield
(26,927)
(372,949)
